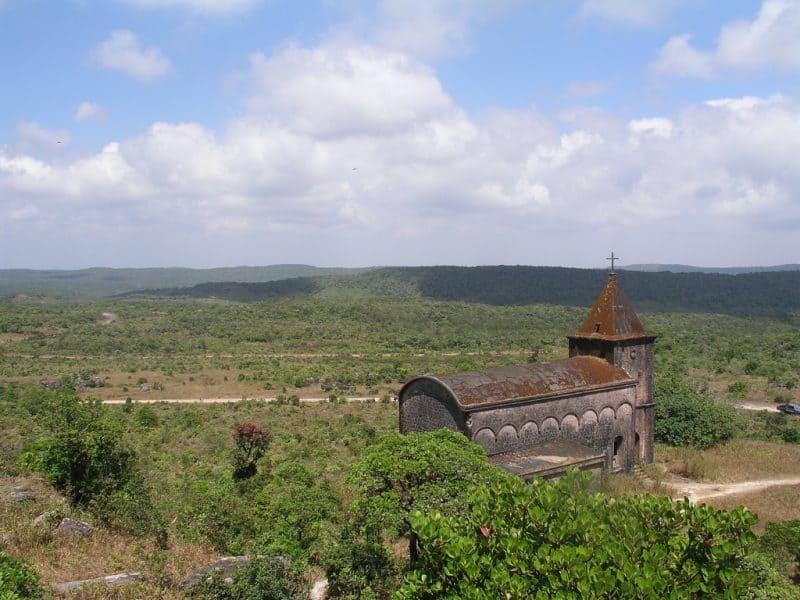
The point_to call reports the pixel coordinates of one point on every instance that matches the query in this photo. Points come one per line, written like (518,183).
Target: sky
(207,133)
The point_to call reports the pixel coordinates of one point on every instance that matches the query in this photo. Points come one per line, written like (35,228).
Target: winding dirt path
(703,491)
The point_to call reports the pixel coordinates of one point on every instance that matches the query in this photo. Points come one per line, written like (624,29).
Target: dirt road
(233,400)
(703,491)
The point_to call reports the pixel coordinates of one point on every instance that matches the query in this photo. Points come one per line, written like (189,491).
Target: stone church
(593,410)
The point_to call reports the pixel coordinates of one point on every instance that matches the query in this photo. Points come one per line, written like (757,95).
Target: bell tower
(612,331)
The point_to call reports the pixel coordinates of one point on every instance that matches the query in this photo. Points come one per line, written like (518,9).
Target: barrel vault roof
(507,384)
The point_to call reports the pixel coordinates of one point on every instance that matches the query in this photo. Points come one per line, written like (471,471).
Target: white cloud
(336,89)
(123,51)
(633,13)
(88,111)
(201,6)
(35,139)
(364,144)
(770,41)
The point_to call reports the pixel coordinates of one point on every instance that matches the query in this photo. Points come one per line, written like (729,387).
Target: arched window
(617,462)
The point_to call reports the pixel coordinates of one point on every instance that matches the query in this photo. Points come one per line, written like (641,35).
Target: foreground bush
(557,540)
(82,454)
(263,578)
(17,580)
(687,418)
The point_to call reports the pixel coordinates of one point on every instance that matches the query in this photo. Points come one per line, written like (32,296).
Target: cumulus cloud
(770,41)
(364,142)
(636,13)
(201,6)
(123,51)
(338,89)
(89,111)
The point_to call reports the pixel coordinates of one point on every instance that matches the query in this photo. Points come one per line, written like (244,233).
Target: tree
(417,471)
(251,443)
(557,540)
(687,418)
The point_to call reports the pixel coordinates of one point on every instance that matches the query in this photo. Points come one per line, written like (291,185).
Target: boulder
(19,493)
(226,565)
(118,579)
(72,527)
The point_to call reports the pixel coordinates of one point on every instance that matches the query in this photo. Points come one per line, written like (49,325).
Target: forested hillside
(99,282)
(772,293)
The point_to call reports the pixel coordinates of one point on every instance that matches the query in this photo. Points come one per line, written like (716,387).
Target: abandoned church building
(593,410)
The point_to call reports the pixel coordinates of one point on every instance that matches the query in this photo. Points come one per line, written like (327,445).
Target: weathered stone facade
(593,410)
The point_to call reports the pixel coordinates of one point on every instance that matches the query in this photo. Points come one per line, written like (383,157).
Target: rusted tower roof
(612,317)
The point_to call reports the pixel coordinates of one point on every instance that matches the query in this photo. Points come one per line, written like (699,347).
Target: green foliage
(263,578)
(782,542)
(687,418)
(293,511)
(82,454)
(17,580)
(738,390)
(418,471)
(557,540)
(359,566)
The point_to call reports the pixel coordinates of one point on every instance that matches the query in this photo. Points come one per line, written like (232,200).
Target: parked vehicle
(789,409)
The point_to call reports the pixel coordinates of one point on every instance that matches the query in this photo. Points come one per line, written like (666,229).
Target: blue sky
(209,133)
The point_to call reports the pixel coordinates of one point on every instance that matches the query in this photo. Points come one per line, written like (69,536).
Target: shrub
(687,418)
(263,578)
(17,580)
(359,566)
(83,455)
(557,540)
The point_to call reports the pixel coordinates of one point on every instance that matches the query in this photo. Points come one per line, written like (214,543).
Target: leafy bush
(83,455)
(293,510)
(557,540)
(782,542)
(359,566)
(687,418)
(17,580)
(263,578)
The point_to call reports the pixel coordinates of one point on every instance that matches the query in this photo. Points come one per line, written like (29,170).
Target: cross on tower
(612,258)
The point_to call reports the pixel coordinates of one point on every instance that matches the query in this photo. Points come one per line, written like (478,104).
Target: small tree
(251,443)
(417,471)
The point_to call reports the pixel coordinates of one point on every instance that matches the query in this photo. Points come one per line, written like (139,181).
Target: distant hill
(100,282)
(776,292)
(657,268)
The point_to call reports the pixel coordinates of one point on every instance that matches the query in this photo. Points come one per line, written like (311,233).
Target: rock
(118,579)
(19,495)
(227,566)
(319,591)
(48,517)
(72,527)
(145,387)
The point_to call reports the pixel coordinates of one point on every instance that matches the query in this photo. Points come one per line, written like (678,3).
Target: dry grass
(772,504)
(59,558)
(738,460)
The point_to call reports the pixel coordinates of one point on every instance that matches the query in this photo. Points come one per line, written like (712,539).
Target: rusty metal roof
(508,384)
(612,317)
